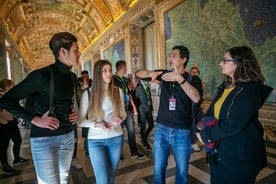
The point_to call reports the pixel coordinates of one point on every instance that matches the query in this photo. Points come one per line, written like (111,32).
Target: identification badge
(172,104)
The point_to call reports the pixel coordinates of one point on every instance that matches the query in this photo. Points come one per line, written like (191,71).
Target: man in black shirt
(174,117)
(52,135)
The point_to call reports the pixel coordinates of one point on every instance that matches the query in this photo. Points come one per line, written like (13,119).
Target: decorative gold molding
(119,30)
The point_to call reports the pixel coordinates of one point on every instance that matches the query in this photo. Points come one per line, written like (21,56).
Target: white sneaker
(195,147)
(75,163)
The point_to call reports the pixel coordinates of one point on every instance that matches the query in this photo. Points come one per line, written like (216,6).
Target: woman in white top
(103,111)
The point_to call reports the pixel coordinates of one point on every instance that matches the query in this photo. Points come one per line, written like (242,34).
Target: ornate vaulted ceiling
(32,23)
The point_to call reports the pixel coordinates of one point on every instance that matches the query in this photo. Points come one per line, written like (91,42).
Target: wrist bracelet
(184,80)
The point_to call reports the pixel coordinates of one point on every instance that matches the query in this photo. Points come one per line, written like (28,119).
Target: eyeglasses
(226,60)
(173,55)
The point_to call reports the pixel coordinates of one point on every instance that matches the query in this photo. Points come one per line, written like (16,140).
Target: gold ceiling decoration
(32,23)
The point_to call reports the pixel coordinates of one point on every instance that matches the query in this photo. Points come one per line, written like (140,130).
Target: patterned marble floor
(133,171)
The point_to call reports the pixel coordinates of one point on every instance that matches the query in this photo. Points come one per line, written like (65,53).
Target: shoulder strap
(121,83)
(190,78)
(51,89)
(74,82)
(75,104)
(117,77)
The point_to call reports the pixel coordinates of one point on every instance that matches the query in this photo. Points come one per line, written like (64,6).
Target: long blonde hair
(98,92)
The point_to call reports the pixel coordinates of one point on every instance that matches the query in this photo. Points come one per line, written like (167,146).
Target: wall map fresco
(208,28)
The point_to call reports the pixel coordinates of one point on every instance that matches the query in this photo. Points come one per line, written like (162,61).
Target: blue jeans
(105,157)
(52,157)
(179,140)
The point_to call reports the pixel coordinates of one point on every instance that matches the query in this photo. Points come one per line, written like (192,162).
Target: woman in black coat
(240,150)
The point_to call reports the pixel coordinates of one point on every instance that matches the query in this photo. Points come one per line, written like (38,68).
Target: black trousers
(145,118)
(9,131)
(129,123)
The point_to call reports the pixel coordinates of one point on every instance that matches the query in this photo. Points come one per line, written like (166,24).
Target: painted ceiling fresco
(32,23)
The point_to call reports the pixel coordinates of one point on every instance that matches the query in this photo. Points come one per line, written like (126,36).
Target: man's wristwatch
(184,80)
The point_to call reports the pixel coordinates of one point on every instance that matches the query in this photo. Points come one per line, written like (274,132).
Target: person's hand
(73,117)
(199,138)
(173,76)
(86,82)
(135,112)
(115,122)
(46,121)
(200,125)
(102,125)
(3,120)
(153,75)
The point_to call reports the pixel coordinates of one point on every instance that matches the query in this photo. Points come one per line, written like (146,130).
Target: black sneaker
(20,160)
(138,156)
(7,169)
(122,159)
(147,147)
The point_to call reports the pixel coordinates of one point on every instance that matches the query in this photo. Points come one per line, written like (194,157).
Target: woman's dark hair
(248,68)
(62,39)
(84,72)
(195,68)
(184,53)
